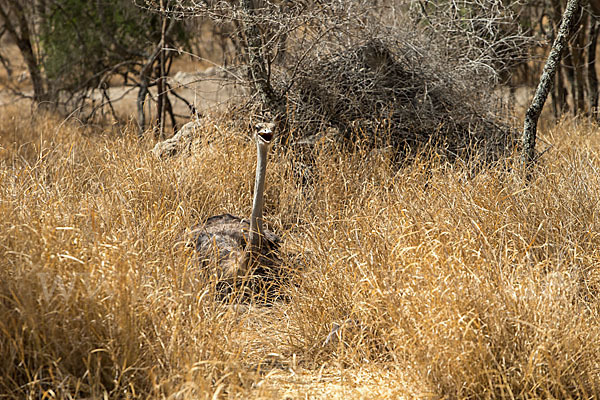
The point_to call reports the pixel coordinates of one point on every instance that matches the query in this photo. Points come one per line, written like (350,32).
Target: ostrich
(245,252)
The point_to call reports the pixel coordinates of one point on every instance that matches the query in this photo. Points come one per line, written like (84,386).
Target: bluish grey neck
(256,226)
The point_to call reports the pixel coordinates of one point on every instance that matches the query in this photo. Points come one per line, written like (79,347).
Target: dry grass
(443,282)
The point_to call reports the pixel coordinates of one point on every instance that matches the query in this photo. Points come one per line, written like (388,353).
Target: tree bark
(591,68)
(545,85)
(578,53)
(141,101)
(561,93)
(162,92)
(564,71)
(5,62)
(144,76)
(22,37)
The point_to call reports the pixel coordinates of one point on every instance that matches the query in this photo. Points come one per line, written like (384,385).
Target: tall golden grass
(431,280)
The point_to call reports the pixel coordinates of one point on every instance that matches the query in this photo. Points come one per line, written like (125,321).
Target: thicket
(82,41)
(357,68)
(74,48)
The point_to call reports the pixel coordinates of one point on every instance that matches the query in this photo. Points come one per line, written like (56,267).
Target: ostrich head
(264,132)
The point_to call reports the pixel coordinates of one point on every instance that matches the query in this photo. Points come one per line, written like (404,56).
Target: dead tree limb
(545,85)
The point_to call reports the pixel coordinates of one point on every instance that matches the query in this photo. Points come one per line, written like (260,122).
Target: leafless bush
(394,92)
(485,37)
(352,66)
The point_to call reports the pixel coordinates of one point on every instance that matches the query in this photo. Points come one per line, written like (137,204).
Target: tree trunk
(144,77)
(545,85)
(569,79)
(559,97)
(161,87)
(22,37)
(561,91)
(564,71)
(591,68)
(578,53)
(159,132)
(5,62)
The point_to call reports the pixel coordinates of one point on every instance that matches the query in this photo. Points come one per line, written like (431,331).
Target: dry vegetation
(445,282)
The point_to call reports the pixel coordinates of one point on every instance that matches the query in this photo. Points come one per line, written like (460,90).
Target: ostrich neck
(256,228)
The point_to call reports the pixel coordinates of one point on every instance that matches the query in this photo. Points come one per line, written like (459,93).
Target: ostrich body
(243,249)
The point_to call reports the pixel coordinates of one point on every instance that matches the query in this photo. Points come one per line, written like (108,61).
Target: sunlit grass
(437,280)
